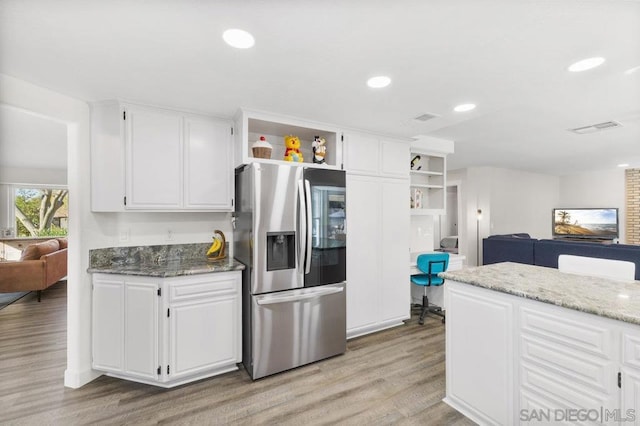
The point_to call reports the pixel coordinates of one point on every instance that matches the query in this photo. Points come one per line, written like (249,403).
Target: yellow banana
(214,247)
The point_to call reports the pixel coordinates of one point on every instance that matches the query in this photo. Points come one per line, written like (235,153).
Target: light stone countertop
(618,300)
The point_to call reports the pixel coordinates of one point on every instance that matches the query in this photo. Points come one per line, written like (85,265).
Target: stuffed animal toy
(292,143)
(319,149)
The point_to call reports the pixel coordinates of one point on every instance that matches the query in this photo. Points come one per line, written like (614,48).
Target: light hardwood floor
(391,377)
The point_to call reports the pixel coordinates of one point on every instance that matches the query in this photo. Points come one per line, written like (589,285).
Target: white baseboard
(76,379)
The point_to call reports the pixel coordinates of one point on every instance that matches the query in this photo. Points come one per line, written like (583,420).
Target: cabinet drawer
(559,361)
(558,391)
(568,331)
(205,286)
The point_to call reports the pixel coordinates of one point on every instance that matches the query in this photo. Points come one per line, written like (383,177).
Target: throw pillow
(62,242)
(36,251)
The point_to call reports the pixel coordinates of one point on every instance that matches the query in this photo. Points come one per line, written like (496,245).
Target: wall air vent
(596,127)
(426,117)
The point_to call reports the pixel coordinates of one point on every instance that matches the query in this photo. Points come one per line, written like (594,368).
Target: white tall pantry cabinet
(378,289)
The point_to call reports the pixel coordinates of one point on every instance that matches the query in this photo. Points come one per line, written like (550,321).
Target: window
(40,211)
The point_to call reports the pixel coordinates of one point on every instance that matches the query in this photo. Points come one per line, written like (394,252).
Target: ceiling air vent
(596,127)
(426,117)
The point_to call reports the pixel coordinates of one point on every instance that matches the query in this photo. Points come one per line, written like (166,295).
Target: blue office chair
(431,264)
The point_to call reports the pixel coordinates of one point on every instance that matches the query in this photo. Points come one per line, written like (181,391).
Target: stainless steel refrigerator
(290,232)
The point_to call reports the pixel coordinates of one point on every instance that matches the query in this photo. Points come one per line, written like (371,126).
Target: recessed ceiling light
(238,38)
(586,64)
(623,165)
(464,107)
(632,70)
(378,82)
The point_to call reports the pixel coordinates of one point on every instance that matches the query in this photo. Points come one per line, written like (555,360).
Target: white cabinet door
(480,353)
(125,326)
(363,252)
(630,395)
(395,289)
(202,336)
(208,171)
(362,154)
(108,324)
(141,329)
(394,159)
(154,159)
(630,374)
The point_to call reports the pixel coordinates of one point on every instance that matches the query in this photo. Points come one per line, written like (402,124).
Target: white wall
(88,230)
(522,202)
(511,201)
(601,188)
(422,234)
(135,228)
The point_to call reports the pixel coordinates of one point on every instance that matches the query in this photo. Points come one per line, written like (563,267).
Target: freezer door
(297,327)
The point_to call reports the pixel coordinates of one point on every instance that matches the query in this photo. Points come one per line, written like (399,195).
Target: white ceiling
(312,58)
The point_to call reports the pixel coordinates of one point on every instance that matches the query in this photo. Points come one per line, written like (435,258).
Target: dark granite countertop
(159,261)
(619,300)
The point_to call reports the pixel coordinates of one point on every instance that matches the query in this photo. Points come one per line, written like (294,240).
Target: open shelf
(428,183)
(427,173)
(415,185)
(251,125)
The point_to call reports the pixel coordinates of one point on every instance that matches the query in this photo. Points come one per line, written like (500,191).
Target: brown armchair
(40,266)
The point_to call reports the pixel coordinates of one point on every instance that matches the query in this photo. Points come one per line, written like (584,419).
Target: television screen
(585,223)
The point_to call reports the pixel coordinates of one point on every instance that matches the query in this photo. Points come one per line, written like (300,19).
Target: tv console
(585,240)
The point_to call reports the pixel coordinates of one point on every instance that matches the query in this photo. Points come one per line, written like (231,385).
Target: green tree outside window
(36,210)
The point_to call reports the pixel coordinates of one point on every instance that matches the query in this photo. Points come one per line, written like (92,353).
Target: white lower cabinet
(481,384)
(378,289)
(166,331)
(516,361)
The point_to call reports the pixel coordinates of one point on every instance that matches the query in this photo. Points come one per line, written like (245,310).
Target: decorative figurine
(292,143)
(319,149)
(261,148)
(415,162)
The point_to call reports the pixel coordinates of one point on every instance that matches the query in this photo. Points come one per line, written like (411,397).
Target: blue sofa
(521,248)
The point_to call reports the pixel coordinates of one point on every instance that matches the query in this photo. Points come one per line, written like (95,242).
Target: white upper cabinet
(207,164)
(371,155)
(153,159)
(362,154)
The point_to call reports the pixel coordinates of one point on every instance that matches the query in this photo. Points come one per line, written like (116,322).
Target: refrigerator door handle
(303,226)
(307,205)
(298,297)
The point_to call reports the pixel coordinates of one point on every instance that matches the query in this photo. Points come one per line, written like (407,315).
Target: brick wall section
(633,205)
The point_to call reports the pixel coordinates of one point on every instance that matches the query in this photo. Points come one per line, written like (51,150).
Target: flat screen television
(595,223)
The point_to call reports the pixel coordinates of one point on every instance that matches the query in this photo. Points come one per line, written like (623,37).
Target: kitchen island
(165,315)
(527,343)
